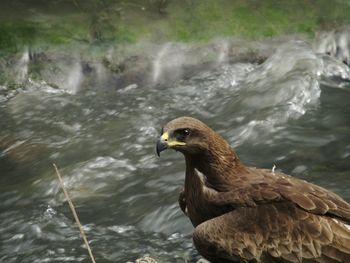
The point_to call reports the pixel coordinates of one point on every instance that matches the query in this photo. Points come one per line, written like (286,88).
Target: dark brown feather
(243,214)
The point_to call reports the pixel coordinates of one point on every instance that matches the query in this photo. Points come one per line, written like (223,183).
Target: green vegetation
(41,23)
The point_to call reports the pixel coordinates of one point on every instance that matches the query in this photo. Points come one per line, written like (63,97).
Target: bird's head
(186,135)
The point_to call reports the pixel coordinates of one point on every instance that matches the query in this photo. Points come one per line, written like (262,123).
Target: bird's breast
(198,212)
(199,207)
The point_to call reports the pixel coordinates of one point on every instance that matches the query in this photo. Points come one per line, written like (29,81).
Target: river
(291,111)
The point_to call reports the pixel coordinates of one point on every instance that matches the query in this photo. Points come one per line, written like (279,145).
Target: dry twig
(75,214)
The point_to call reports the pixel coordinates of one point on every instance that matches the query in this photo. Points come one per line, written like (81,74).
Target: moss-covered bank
(39,23)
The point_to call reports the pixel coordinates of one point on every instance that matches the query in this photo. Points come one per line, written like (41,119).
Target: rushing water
(292,111)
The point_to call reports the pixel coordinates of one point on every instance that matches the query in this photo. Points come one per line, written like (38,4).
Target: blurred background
(88,85)
(42,23)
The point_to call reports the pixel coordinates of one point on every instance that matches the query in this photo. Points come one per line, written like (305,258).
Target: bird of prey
(244,214)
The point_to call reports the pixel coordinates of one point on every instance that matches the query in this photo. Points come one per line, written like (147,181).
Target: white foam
(168,63)
(223,48)
(22,67)
(74,78)
(158,62)
(284,87)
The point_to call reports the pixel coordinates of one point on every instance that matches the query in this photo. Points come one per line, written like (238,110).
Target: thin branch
(74,214)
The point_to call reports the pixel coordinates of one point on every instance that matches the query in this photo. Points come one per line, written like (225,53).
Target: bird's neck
(220,166)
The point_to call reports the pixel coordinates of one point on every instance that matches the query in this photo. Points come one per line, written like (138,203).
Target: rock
(146,260)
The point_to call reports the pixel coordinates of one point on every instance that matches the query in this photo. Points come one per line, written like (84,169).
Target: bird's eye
(181,134)
(185,132)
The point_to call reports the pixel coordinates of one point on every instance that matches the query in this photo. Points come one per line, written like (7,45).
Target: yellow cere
(165,136)
(171,143)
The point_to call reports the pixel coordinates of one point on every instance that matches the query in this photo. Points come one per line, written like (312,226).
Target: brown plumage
(244,214)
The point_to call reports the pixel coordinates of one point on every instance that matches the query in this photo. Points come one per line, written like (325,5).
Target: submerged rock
(72,69)
(144,260)
(152,260)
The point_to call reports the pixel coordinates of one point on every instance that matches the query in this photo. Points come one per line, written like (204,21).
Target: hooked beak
(161,146)
(165,142)
(162,143)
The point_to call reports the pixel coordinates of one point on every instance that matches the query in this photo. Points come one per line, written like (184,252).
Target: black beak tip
(161,146)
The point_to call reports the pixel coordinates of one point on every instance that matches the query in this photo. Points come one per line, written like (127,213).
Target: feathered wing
(279,232)
(276,217)
(182,201)
(313,198)
(262,187)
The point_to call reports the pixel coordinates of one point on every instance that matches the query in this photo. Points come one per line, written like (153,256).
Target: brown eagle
(244,214)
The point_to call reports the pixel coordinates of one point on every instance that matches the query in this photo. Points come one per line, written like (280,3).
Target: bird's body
(243,214)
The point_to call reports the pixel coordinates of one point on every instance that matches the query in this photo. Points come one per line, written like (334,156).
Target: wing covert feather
(273,231)
(271,187)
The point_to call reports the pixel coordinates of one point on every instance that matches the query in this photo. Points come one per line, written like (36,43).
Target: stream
(291,111)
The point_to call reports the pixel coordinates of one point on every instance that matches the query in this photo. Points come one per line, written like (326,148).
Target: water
(335,43)
(291,111)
